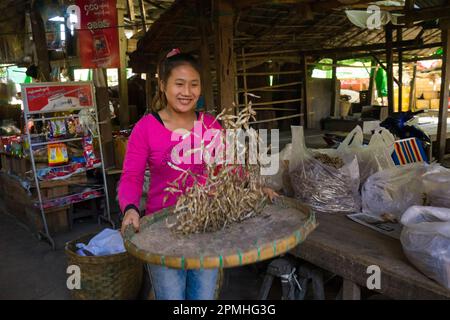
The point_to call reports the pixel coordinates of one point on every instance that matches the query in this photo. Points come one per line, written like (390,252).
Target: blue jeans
(177,284)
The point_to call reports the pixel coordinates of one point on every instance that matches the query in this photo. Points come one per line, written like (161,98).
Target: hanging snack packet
(57,128)
(57,154)
(88,151)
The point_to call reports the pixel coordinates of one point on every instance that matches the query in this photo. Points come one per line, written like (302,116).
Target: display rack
(70,98)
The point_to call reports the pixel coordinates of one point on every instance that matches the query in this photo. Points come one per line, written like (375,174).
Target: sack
(323,187)
(437,186)
(394,190)
(426,241)
(107,242)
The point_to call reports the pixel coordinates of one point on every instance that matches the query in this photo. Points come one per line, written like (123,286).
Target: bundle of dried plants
(229,192)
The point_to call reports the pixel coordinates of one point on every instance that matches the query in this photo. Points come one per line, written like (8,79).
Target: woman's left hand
(270,193)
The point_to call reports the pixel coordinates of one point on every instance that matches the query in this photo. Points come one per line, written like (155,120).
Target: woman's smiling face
(183,88)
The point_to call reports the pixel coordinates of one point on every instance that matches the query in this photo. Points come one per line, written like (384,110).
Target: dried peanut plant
(229,191)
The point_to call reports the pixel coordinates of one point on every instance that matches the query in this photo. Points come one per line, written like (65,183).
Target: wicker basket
(117,276)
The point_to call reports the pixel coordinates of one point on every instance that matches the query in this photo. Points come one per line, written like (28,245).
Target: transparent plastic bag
(426,241)
(276,181)
(437,186)
(323,187)
(374,157)
(394,190)
(107,242)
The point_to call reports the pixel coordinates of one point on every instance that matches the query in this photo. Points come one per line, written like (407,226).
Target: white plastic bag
(372,158)
(324,188)
(276,181)
(394,190)
(426,241)
(107,242)
(437,186)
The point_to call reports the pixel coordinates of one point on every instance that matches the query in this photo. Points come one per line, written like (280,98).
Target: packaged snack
(88,151)
(57,128)
(57,154)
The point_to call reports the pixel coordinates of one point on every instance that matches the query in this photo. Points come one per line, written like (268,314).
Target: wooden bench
(347,249)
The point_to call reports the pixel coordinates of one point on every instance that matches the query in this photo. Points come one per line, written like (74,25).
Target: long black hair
(164,70)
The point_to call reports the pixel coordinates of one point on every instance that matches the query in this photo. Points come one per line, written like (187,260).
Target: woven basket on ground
(117,276)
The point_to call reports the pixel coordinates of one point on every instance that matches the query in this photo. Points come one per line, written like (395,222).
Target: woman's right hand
(131,217)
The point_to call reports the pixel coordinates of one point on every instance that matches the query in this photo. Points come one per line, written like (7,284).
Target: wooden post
(104,115)
(400,69)
(390,68)
(123,84)
(204,28)
(412,89)
(143,15)
(148,90)
(304,107)
(445,82)
(333,89)
(373,73)
(225,52)
(40,41)
(244,70)
(132,13)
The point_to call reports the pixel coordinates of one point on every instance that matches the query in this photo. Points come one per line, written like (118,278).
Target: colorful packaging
(57,128)
(57,154)
(88,151)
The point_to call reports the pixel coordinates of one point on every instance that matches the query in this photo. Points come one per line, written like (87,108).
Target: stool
(284,269)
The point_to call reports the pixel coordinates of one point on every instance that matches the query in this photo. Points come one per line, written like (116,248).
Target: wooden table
(347,248)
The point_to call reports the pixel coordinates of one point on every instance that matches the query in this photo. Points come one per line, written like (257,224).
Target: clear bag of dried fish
(323,180)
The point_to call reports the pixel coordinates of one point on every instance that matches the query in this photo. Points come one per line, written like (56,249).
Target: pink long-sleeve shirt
(152,145)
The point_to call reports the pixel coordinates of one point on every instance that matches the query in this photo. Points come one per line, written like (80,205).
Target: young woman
(151,144)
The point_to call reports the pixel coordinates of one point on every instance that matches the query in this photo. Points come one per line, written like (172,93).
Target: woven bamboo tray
(277,230)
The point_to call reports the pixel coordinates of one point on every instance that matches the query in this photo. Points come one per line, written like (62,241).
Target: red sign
(98,35)
(55,97)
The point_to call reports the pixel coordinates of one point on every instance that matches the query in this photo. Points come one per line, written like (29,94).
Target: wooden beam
(40,42)
(148,90)
(390,68)
(407,44)
(203,26)
(443,100)
(131,12)
(384,67)
(373,73)
(333,89)
(224,52)
(124,113)
(143,15)
(104,115)
(412,89)
(425,14)
(304,103)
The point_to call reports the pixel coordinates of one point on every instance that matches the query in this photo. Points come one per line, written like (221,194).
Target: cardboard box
(434,104)
(422,104)
(428,95)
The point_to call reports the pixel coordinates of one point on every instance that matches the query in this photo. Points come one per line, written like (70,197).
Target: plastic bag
(276,181)
(426,241)
(374,157)
(394,190)
(437,186)
(105,243)
(323,187)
